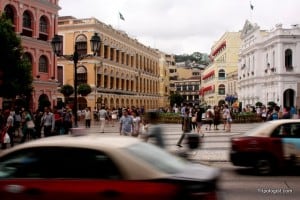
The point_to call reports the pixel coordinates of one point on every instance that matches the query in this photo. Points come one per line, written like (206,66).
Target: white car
(101,167)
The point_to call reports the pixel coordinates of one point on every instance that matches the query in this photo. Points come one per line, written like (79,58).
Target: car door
(72,173)
(19,173)
(291,142)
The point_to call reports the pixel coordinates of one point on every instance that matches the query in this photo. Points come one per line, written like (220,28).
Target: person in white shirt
(102,117)
(87,117)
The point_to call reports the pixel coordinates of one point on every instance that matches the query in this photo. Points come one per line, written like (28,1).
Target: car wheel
(264,166)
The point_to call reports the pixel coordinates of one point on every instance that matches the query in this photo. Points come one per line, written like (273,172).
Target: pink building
(36,23)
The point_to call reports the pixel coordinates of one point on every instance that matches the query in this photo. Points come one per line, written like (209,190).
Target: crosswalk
(215,145)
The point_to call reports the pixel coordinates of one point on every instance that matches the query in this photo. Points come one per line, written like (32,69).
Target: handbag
(6,138)
(194,119)
(30,124)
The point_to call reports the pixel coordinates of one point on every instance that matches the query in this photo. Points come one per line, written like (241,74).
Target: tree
(176,98)
(197,57)
(67,90)
(258,104)
(84,89)
(272,104)
(15,72)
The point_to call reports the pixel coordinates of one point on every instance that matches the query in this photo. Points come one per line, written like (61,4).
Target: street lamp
(57,49)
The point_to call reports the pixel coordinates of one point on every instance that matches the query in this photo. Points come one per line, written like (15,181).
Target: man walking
(48,122)
(126,124)
(102,117)
(186,128)
(87,117)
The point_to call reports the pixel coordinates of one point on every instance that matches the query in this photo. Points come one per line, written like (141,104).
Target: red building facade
(35,21)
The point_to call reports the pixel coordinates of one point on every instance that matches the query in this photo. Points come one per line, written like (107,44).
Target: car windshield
(157,157)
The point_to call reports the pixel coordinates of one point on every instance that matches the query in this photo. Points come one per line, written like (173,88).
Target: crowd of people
(23,124)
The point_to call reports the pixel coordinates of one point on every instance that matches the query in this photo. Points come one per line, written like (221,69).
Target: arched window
(81,75)
(221,89)
(10,14)
(81,42)
(222,74)
(27,25)
(43,64)
(43,34)
(288,55)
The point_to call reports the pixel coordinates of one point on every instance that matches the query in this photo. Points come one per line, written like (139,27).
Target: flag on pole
(251,6)
(121,16)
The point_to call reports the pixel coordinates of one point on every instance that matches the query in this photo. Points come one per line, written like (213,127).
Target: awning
(206,89)
(209,74)
(219,48)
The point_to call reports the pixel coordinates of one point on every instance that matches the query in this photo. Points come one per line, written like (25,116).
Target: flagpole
(118,21)
(251,11)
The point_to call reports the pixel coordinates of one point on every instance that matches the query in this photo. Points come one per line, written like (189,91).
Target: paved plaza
(215,144)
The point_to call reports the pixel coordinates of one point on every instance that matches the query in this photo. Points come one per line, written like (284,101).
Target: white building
(269,66)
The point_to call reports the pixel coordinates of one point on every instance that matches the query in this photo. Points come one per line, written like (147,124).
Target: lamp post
(57,49)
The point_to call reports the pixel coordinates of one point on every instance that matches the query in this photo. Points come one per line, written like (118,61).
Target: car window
(59,162)
(288,130)
(20,164)
(157,157)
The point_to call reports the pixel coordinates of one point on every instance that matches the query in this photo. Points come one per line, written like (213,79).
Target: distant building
(269,66)
(36,23)
(186,81)
(224,62)
(124,73)
(165,62)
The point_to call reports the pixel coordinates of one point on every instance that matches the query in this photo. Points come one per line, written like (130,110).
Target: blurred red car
(100,167)
(269,147)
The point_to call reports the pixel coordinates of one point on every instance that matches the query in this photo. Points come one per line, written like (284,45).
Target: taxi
(270,147)
(94,166)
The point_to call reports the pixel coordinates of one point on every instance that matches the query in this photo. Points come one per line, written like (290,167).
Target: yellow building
(124,73)
(165,62)
(224,55)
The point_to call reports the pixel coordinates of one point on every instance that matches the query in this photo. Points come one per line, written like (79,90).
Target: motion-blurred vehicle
(268,148)
(101,167)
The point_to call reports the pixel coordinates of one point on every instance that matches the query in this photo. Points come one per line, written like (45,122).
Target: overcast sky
(183,26)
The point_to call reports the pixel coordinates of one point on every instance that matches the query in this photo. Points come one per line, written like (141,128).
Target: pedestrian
(87,118)
(217,117)
(209,118)
(136,123)
(67,120)
(26,130)
(9,129)
(152,129)
(48,122)
(187,128)
(17,123)
(182,112)
(114,117)
(227,115)
(199,121)
(193,114)
(126,124)
(102,117)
